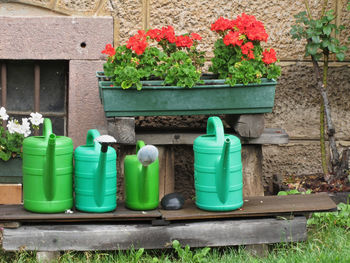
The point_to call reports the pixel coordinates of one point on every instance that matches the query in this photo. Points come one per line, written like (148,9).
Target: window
(36,86)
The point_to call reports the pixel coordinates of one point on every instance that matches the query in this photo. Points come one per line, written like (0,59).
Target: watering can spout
(223,171)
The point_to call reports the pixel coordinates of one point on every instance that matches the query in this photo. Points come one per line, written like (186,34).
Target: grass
(328,241)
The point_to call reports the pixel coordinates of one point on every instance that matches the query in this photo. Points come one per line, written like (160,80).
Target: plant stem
(306,2)
(324,6)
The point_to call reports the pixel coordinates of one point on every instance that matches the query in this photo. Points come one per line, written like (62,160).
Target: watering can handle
(91,136)
(215,127)
(47,128)
(139,145)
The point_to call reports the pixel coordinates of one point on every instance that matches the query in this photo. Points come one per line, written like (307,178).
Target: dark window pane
(20,85)
(52,85)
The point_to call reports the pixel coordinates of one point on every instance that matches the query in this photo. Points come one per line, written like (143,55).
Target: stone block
(57,37)
(85,110)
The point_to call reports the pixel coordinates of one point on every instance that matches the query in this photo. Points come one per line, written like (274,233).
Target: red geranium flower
(249,26)
(138,42)
(183,41)
(233,38)
(155,34)
(168,33)
(221,24)
(269,56)
(196,36)
(247,49)
(109,50)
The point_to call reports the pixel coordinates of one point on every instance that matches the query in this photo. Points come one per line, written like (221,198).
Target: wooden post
(252,170)
(166,171)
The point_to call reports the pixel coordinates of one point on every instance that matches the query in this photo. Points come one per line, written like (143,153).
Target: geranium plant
(156,53)
(238,54)
(11,139)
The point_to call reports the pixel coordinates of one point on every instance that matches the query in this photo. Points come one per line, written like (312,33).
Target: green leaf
(340,56)
(327,30)
(312,48)
(282,193)
(316,39)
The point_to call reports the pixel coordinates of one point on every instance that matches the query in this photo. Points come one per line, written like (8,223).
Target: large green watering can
(141,177)
(218,169)
(95,174)
(47,172)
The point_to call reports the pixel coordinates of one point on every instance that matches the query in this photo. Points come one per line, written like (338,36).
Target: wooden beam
(121,236)
(269,136)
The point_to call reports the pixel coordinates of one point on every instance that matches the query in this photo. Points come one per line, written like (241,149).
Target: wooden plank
(18,213)
(166,171)
(258,206)
(120,236)
(252,170)
(269,136)
(10,194)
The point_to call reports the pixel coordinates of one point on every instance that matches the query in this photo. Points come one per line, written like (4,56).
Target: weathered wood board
(269,136)
(259,206)
(18,213)
(121,236)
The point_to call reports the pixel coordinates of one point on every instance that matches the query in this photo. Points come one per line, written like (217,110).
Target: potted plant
(11,140)
(169,73)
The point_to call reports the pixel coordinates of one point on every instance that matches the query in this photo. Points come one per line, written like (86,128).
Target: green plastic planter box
(212,97)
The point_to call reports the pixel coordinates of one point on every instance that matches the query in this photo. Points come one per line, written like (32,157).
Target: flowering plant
(177,62)
(238,55)
(11,140)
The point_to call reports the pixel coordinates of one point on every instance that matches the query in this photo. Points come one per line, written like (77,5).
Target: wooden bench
(262,220)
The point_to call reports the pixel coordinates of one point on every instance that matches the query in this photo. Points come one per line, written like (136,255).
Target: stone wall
(297,102)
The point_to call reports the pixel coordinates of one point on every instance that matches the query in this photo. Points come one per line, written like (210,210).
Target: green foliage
(186,255)
(178,68)
(127,69)
(10,144)
(294,192)
(319,35)
(341,218)
(228,64)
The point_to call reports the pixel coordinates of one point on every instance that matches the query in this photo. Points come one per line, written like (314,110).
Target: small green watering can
(47,172)
(95,174)
(141,177)
(218,169)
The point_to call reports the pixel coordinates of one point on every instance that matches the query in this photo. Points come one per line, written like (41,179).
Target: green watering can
(47,172)
(141,177)
(95,174)
(218,169)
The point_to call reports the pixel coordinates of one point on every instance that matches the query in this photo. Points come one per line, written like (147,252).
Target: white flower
(25,127)
(36,118)
(3,114)
(13,126)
